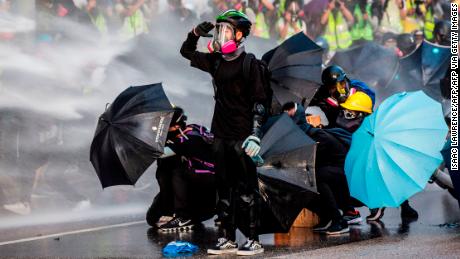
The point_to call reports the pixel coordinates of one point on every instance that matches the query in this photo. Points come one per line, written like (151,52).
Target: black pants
(334,193)
(237,187)
(182,192)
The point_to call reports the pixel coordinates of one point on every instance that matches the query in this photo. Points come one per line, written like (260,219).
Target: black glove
(203,29)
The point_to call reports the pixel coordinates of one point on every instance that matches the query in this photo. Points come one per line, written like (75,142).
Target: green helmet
(237,19)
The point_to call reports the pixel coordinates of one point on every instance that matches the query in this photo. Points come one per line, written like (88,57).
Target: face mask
(224,39)
(351,125)
(342,92)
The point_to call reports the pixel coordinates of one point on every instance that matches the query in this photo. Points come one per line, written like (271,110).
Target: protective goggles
(342,87)
(223,33)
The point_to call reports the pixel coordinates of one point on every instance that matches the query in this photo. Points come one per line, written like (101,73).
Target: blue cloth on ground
(179,248)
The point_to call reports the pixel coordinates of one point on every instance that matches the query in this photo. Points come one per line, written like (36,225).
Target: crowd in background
(340,23)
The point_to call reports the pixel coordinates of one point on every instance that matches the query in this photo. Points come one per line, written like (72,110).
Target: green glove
(251,146)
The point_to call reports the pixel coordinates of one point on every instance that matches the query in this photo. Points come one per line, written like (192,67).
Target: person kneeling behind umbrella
(355,109)
(185,175)
(333,145)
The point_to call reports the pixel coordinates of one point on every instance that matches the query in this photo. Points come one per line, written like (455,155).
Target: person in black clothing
(186,178)
(333,145)
(336,88)
(238,115)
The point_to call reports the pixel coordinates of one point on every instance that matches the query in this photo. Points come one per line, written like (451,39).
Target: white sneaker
(224,246)
(251,247)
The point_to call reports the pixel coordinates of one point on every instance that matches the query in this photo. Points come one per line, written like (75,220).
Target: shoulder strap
(216,66)
(247,65)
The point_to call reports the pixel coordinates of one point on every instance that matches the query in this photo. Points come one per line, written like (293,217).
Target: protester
(406,43)
(238,115)
(336,88)
(354,110)
(291,23)
(338,20)
(185,175)
(442,33)
(134,22)
(333,144)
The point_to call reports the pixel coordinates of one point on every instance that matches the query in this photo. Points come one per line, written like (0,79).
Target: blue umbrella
(396,150)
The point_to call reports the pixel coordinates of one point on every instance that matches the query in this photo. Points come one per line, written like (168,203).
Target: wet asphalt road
(391,237)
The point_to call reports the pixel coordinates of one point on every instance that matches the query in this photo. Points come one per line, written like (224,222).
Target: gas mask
(349,120)
(223,40)
(340,93)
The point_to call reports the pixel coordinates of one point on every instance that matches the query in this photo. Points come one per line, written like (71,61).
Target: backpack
(195,164)
(265,75)
(198,130)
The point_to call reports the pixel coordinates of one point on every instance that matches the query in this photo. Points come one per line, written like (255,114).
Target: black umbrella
(370,62)
(296,69)
(421,70)
(287,179)
(131,134)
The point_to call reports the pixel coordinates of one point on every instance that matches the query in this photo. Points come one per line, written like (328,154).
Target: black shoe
(407,212)
(322,225)
(338,227)
(177,224)
(224,246)
(376,214)
(251,247)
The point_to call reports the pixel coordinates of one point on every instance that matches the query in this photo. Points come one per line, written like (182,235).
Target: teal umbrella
(396,150)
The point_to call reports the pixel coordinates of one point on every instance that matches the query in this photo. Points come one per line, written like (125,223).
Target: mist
(51,94)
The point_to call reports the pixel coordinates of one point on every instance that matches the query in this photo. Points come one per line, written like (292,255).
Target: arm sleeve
(200,60)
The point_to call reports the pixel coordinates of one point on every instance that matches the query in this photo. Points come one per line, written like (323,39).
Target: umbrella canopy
(370,63)
(296,69)
(421,70)
(131,134)
(289,154)
(287,179)
(396,150)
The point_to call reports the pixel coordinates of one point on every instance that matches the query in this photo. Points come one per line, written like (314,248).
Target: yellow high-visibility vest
(261,27)
(133,25)
(337,34)
(428,26)
(361,29)
(391,20)
(100,23)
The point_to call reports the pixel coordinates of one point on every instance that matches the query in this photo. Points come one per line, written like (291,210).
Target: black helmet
(406,43)
(333,74)
(441,33)
(237,19)
(179,117)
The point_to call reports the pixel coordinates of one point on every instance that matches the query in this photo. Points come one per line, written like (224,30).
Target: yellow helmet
(358,101)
